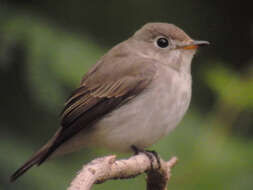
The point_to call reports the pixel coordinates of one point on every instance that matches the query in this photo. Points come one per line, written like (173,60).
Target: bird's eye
(162,42)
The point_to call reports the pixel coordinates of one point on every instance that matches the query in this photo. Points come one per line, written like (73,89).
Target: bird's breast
(149,116)
(170,98)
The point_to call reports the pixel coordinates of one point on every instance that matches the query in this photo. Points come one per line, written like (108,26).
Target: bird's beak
(195,44)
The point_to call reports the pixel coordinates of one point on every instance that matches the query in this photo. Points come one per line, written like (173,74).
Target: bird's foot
(151,154)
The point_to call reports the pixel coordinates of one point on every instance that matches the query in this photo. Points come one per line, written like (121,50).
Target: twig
(106,168)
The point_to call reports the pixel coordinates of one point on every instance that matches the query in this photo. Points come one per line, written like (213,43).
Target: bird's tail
(38,158)
(35,160)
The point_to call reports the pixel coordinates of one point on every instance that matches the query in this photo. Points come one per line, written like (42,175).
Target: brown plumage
(129,77)
(99,94)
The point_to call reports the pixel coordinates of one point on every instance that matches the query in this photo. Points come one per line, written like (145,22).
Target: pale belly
(147,118)
(142,121)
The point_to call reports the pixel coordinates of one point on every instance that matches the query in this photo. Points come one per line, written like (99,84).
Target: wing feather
(96,98)
(100,92)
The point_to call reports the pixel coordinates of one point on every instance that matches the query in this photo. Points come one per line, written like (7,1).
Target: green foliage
(231,88)
(54,57)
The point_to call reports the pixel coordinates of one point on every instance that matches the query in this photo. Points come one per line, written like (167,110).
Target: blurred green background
(46,47)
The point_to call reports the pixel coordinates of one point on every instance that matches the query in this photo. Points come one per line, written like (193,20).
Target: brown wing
(99,94)
(101,91)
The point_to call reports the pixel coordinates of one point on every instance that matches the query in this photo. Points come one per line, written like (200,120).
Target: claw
(149,153)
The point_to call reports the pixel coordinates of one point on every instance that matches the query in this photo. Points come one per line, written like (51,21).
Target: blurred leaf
(54,57)
(231,88)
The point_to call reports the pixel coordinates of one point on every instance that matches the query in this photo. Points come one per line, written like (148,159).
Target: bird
(133,96)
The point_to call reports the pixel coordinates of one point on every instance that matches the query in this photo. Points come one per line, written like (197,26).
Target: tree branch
(106,168)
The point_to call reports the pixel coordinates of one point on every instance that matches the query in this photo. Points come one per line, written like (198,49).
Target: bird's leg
(136,149)
(149,153)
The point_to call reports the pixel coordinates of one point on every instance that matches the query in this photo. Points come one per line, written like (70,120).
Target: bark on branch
(106,168)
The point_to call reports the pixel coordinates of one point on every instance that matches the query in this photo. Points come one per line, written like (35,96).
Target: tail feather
(38,158)
(31,162)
